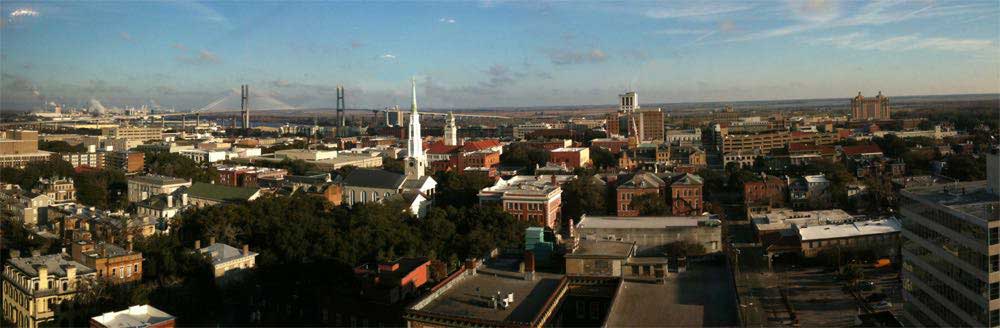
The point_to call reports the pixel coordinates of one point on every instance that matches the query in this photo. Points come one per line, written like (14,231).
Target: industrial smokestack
(245,105)
(341,120)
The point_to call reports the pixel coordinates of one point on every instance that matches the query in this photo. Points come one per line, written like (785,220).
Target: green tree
(524,154)
(459,189)
(176,165)
(584,195)
(602,158)
(651,205)
(965,167)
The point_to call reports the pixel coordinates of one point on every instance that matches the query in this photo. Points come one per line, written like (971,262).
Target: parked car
(866,285)
(884,305)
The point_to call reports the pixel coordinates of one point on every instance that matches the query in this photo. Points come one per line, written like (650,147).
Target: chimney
(129,246)
(184,199)
(197,244)
(211,240)
(43,276)
(70,274)
(170,201)
(246,249)
(529,261)
(553,179)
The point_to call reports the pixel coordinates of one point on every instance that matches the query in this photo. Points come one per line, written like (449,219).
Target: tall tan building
(20,147)
(866,109)
(642,124)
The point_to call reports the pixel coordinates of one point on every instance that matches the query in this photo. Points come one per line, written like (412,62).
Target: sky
(186,55)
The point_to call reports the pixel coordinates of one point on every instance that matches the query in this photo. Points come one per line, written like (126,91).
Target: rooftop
(222,253)
(638,222)
(158,179)
(971,198)
(374,178)
(469,297)
(783,218)
(221,192)
(569,149)
(853,229)
(134,316)
(53,262)
(603,249)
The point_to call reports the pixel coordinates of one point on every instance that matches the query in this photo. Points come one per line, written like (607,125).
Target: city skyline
(492,54)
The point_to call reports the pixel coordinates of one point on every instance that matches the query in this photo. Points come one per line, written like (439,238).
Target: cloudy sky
(496,53)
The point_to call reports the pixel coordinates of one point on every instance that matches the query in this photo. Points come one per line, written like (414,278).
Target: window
(994,290)
(995,318)
(994,263)
(994,234)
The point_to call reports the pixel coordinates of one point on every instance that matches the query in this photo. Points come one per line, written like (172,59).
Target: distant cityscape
(591,164)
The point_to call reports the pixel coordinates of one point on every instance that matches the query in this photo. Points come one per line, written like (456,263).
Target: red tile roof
(480,144)
(441,148)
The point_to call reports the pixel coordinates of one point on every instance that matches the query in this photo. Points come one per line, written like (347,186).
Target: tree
(892,145)
(602,158)
(393,165)
(524,154)
(965,168)
(652,204)
(584,196)
(459,189)
(59,146)
(683,248)
(176,165)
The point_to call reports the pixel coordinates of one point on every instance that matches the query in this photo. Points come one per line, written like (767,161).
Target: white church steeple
(416,160)
(451,131)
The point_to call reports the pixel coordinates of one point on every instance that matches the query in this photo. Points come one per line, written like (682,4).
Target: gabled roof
(688,179)
(374,178)
(222,253)
(220,192)
(475,145)
(644,180)
(441,148)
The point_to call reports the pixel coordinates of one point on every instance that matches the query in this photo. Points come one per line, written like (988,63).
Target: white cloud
(447,20)
(387,56)
(681,31)
(699,10)
(125,36)
(862,41)
(23,12)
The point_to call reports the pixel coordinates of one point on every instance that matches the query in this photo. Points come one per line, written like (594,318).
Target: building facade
(142,187)
(867,109)
(951,254)
(33,287)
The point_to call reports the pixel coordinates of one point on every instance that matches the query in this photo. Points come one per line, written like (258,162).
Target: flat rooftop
(972,197)
(134,316)
(602,248)
(158,179)
(846,230)
(783,218)
(470,297)
(639,222)
(701,297)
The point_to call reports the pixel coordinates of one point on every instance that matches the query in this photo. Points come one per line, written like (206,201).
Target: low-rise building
(34,286)
(537,200)
(641,183)
(226,259)
(59,190)
(601,258)
(112,262)
(392,282)
(138,316)
(652,233)
(247,176)
(572,157)
(127,161)
(142,187)
(881,236)
(90,159)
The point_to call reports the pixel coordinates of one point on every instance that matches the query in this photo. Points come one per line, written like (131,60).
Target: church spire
(413,100)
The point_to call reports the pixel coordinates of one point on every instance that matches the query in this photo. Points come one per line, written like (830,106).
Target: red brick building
(391,282)
(685,195)
(768,190)
(537,200)
(477,153)
(614,145)
(572,157)
(642,183)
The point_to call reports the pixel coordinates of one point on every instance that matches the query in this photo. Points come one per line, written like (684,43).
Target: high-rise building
(416,160)
(650,124)
(951,252)
(451,131)
(865,109)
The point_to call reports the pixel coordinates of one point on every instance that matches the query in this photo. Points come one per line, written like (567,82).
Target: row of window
(970,307)
(937,308)
(953,272)
(945,219)
(970,256)
(524,206)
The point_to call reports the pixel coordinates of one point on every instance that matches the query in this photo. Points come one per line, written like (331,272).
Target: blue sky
(483,54)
